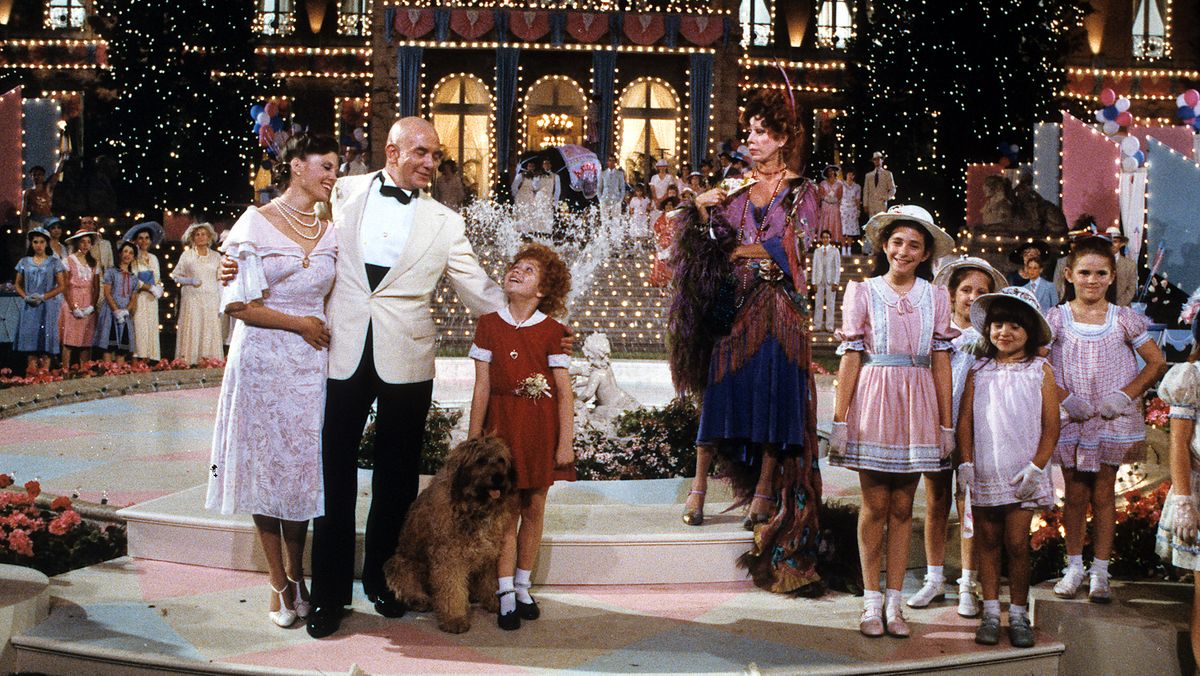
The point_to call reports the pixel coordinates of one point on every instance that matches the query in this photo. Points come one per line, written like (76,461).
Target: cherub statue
(598,398)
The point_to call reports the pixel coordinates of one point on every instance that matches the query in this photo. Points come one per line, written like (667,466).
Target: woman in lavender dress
(266,451)
(744,344)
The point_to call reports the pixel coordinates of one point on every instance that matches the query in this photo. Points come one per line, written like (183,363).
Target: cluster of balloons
(267,123)
(1189,108)
(1132,156)
(1115,113)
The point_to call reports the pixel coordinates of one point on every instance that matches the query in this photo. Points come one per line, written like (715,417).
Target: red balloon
(1108,97)
(272,108)
(1191,97)
(1125,119)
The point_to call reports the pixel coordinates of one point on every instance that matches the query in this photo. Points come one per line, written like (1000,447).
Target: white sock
(1100,566)
(872,599)
(521,582)
(968,578)
(894,601)
(991,607)
(508,602)
(935,572)
(1015,611)
(1075,561)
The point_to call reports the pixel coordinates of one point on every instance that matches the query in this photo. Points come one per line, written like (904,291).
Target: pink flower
(64,522)
(19,542)
(60,503)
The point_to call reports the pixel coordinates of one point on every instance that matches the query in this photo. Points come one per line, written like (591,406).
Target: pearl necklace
(294,210)
(293,221)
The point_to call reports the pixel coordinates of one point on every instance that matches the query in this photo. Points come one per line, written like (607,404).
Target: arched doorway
(555,113)
(462,114)
(649,126)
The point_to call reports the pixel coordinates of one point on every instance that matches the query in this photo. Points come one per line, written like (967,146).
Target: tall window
(274,17)
(555,113)
(755,16)
(1149,31)
(834,26)
(354,17)
(462,115)
(66,14)
(649,126)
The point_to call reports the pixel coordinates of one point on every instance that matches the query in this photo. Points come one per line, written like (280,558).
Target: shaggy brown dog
(451,538)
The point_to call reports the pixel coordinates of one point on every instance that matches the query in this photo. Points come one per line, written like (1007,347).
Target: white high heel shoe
(302,607)
(284,617)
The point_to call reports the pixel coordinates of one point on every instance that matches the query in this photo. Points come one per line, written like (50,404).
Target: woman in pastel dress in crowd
(145,321)
(78,315)
(266,449)
(199,329)
(851,209)
(829,200)
(118,302)
(741,338)
(40,280)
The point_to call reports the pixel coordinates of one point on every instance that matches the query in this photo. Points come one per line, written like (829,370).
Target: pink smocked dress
(893,425)
(81,287)
(1008,428)
(1091,361)
(829,211)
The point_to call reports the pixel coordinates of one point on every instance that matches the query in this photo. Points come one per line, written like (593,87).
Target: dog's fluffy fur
(452,535)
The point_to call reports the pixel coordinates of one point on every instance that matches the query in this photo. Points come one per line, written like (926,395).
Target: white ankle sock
(894,601)
(991,607)
(1015,611)
(935,572)
(508,602)
(1100,566)
(872,599)
(968,578)
(1075,561)
(521,582)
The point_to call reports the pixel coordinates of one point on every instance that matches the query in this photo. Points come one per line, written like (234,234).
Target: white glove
(1028,481)
(156,291)
(78,313)
(1185,521)
(34,299)
(1078,409)
(948,442)
(88,310)
(837,439)
(121,316)
(966,475)
(1113,405)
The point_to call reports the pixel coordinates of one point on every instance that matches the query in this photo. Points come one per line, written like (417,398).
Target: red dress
(527,421)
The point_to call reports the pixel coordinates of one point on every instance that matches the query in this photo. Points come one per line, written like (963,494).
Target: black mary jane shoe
(508,621)
(528,611)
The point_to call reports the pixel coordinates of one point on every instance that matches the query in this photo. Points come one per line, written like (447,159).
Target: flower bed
(94,369)
(53,540)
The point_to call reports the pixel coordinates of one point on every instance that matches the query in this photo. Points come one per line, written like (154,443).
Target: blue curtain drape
(441,24)
(389,21)
(701,93)
(506,100)
(604,66)
(408,79)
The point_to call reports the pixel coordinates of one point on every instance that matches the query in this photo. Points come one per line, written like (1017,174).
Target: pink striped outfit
(892,424)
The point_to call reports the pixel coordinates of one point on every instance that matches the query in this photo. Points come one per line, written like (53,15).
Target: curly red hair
(774,107)
(556,277)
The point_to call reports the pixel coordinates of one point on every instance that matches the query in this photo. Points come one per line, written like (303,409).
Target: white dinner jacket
(403,331)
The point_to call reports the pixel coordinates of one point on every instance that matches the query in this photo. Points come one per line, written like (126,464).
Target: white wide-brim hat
(944,273)
(662,163)
(84,233)
(1021,299)
(212,233)
(943,243)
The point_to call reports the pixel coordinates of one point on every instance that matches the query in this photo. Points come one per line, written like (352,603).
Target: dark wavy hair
(1013,311)
(556,277)
(774,107)
(924,268)
(301,146)
(38,235)
(1095,246)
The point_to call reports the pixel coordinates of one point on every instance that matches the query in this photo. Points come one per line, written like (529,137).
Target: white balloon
(1111,128)
(1129,163)
(1122,104)
(1100,116)
(1130,145)
(263,119)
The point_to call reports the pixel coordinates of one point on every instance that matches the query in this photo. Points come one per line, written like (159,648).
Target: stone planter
(18,400)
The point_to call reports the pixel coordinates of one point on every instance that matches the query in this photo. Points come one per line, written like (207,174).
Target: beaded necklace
(761,228)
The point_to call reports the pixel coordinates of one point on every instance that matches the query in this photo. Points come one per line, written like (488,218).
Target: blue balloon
(255,110)
(1186,112)
(1140,157)
(277,123)
(1196,124)
(1110,113)
(257,126)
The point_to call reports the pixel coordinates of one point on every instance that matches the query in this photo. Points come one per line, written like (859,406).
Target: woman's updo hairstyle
(775,109)
(301,146)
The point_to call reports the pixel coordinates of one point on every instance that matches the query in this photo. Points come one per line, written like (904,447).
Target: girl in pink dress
(523,395)
(829,209)
(892,417)
(1094,354)
(1007,430)
(77,318)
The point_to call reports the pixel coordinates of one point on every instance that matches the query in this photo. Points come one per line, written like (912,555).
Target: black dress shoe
(324,620)
(509,621)
(386,604)
(528,611)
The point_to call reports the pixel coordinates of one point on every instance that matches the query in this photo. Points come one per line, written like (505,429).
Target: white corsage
(534,387)
(734,185)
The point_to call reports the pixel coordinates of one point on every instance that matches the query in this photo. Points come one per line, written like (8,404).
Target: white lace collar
(535,318)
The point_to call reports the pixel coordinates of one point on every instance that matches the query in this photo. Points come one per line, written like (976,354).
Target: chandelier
(554,128)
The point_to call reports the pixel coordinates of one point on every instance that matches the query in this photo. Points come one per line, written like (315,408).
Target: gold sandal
(695,517)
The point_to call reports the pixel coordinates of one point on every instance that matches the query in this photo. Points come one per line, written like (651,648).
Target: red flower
(33,488)
(64,522)
(19,542)
(60,503)
(6,480)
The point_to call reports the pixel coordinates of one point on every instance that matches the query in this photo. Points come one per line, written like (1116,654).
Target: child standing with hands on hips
(1094,354)
(523,395)
(1005,449)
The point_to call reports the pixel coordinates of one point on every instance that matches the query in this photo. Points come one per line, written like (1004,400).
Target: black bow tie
(402,196)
